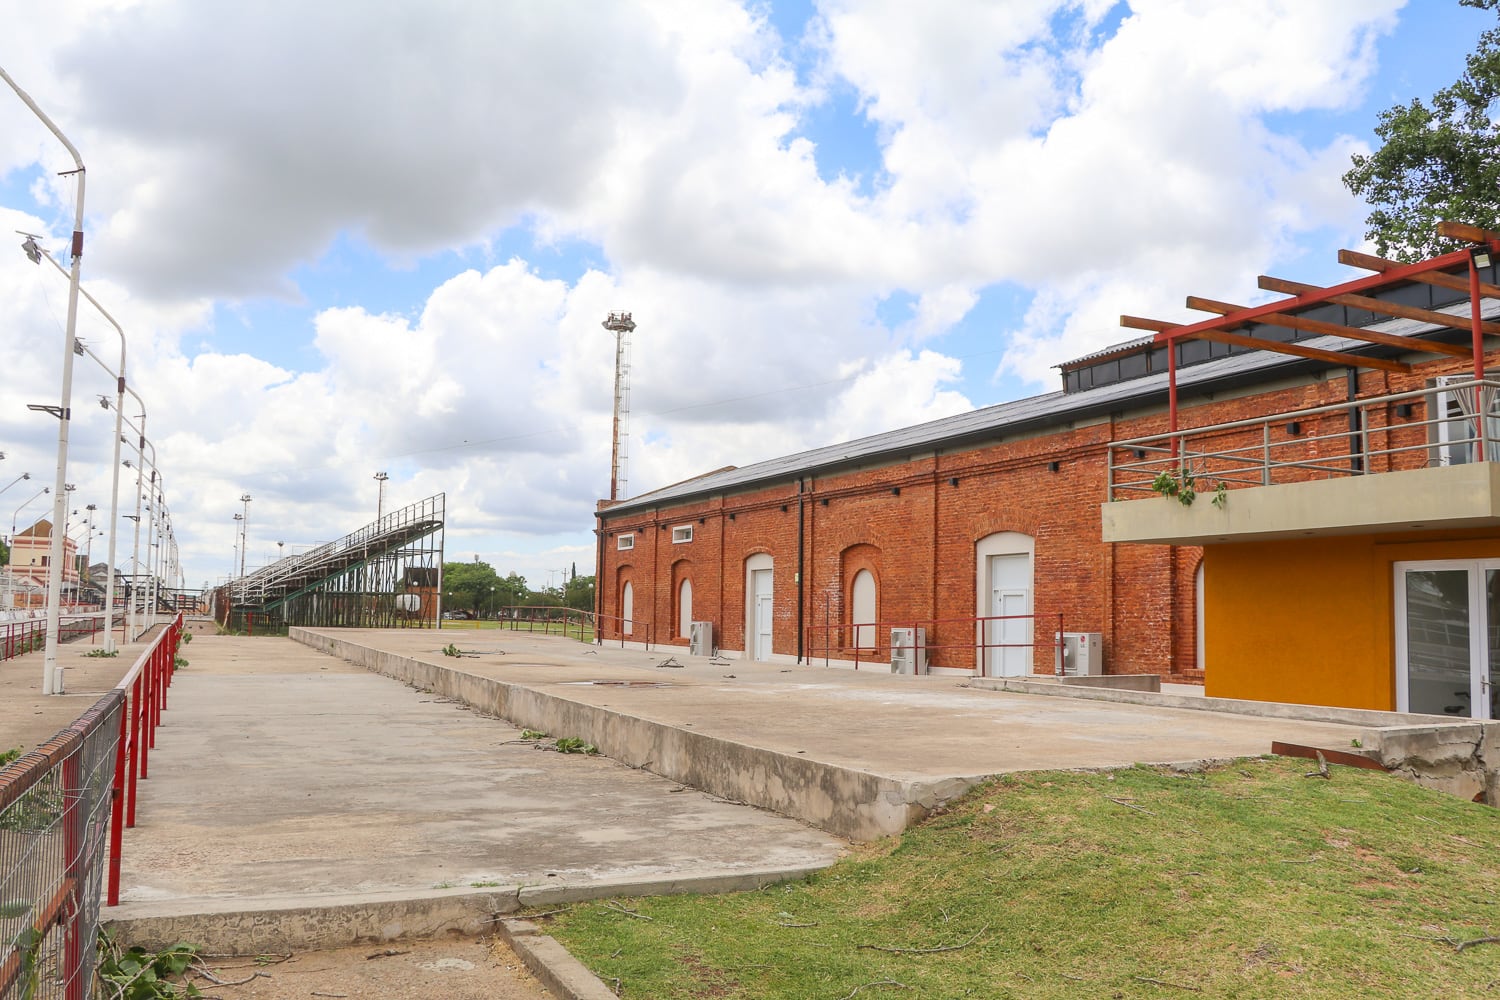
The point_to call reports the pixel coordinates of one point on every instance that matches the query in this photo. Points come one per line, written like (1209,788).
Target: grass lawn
(1248,880)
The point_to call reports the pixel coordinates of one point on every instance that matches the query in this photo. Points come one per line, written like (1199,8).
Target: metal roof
(1021,415)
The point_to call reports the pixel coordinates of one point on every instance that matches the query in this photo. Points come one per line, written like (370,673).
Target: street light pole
(245,499)
(114,490)
(380,477)
(10,574)
(51,674)
(22,476)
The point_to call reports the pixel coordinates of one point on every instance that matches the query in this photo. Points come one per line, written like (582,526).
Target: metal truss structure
(385,575)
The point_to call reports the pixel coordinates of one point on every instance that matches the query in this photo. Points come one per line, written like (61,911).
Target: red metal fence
(60,806)
(28,635)
(870,642)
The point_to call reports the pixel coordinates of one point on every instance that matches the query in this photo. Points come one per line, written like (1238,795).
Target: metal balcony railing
(1454,423)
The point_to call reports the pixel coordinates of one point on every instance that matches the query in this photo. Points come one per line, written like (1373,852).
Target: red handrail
(145,685)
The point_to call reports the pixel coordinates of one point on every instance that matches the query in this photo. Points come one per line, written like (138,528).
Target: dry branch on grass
(927,951)
(878,982)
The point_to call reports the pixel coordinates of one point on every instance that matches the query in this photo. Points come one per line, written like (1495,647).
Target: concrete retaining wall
(858,805)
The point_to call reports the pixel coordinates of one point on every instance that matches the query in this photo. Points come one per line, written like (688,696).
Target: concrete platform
(858,753)
(298,801)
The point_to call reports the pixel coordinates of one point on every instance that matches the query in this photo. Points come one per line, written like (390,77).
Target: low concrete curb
(563,975)
(278,924)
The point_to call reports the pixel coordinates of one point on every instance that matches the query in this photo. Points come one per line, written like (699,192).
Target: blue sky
(830,219)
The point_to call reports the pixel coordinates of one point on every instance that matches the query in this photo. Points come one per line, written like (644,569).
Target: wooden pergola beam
(1375,305)
(1467,233)
(1260,344)
(1441,279)
(1328,329)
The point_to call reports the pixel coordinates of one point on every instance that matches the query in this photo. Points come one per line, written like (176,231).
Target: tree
(579,593)
(1436,163)
(468,586)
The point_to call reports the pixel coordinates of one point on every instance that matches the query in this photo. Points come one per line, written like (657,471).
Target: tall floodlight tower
(380,477)
(621,325)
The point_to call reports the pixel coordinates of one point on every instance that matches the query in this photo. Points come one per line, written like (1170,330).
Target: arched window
(627,608)
(862,609)
(685,609)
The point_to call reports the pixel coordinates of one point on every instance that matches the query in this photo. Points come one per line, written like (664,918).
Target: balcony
(1424,460)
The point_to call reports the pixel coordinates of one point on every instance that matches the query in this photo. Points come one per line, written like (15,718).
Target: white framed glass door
(1448,637)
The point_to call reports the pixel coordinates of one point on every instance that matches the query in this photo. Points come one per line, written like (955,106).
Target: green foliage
(138,974)
(572,744)
(1221,495)
(178,662)
(6,756)
(452,650)
(1437,161)
(533,734)
(101,654)
(1246,881)
(475,587)
(1168,484)
(187,637)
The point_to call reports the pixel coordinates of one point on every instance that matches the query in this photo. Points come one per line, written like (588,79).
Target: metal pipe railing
(1246,453)
(881,650)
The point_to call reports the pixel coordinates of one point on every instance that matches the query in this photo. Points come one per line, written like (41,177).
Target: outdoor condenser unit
(1081,654)
(701,638)
(908,651)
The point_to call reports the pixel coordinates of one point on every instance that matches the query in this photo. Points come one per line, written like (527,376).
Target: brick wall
(915,524)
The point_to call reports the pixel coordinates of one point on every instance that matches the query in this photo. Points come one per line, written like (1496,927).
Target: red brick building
(984,529)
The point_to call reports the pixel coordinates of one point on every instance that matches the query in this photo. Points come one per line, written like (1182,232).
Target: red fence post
(133,706)
(117,808)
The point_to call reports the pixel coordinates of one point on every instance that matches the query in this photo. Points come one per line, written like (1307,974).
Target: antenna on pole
(621,325)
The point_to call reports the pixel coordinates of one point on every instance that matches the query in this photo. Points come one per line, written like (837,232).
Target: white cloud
(1020,143)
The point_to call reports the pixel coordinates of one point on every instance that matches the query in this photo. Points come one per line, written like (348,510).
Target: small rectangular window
(682,533)
(624,542)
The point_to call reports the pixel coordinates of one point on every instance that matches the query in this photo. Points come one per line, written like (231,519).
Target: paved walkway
(29,718)
(288,781)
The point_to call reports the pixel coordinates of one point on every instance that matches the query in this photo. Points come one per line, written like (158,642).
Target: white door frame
(1001,543)
(760,562)
(1479,667)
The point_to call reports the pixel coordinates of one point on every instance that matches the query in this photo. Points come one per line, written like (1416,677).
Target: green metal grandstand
(387,574)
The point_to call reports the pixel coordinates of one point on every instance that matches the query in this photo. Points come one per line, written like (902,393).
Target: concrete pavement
(858,753)
(296,801)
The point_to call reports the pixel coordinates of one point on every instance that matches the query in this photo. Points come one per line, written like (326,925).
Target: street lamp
(51,673)
(380,477)
(245,499)
(22,476)
(234,557)
(114,490)
(10,569)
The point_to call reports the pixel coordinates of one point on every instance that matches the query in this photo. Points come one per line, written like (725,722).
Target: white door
(685,609)
(1448,637)
(1008,636)
(761,627)
(862,609)
(627,608)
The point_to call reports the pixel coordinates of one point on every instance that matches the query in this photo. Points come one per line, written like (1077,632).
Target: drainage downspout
(801,552)
(598,576)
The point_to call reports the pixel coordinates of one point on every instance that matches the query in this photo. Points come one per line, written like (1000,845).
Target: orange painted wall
(1310,620)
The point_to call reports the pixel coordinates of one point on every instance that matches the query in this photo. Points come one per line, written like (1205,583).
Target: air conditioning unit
(701,638)
(1080,654)
(908,651)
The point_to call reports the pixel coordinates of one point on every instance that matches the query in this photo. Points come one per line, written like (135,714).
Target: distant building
(30,559)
